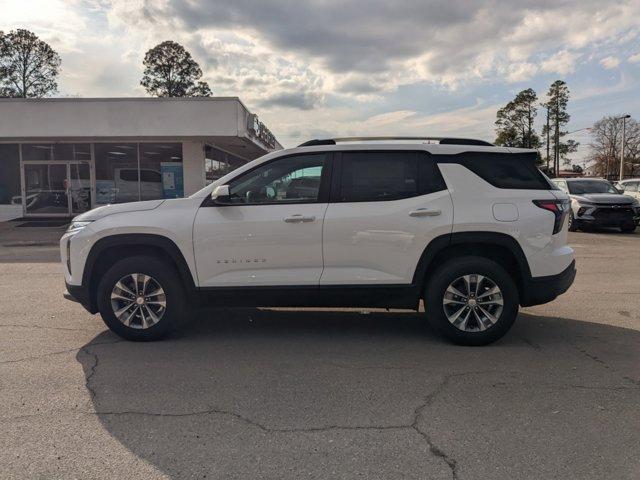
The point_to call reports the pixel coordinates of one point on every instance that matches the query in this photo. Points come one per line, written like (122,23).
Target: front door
(271,231)
(57,189)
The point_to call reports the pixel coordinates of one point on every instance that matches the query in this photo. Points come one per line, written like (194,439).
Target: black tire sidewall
(453,269)
(167,277)
(573,225)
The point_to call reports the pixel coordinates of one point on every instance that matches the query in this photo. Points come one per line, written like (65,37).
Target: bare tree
(606,141)
(28,66)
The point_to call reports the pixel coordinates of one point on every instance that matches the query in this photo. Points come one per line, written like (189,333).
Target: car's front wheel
(140,298)
(471,300)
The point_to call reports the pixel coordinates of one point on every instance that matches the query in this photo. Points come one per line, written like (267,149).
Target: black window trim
(323,192)
(335,196)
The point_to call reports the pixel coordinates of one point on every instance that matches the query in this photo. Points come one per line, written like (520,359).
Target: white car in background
(630,187)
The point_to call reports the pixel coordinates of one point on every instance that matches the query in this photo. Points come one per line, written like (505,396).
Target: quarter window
(387,175)
(294,179)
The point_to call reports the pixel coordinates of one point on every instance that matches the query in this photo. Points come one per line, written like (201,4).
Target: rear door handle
(424,212)
(299,219)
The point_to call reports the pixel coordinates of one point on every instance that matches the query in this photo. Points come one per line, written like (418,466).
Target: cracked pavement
(288,394)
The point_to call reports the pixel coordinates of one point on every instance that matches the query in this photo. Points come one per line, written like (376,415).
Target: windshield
(591,186)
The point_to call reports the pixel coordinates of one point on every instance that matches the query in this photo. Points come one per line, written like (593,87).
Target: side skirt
(373,296)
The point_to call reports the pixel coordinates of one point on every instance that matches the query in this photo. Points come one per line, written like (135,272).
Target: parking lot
(323,394)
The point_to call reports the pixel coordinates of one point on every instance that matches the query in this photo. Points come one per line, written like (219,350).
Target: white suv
(472,229)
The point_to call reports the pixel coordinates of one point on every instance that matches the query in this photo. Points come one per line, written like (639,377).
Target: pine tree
(556,104)
(515,122)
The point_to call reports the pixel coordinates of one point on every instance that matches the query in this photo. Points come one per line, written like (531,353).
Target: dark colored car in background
(595,202)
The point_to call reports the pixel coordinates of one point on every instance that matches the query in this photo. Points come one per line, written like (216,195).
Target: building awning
(223,122)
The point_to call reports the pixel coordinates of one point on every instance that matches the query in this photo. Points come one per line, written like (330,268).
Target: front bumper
(539,290)
(81,295)
(604,216)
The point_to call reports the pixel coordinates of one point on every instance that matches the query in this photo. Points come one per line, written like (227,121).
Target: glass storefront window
(56,151)
(116,173)
(128,172)
(10,175)
(219,163)
(160,170)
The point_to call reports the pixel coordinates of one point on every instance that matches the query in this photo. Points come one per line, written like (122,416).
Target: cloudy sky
(315,68)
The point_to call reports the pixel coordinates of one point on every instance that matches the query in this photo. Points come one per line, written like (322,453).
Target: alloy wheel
(473,303)
(138,301)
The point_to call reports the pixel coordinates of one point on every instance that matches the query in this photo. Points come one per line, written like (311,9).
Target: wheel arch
(109,249)
(499,247)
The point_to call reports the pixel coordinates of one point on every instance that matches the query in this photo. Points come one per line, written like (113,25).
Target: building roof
(222,121)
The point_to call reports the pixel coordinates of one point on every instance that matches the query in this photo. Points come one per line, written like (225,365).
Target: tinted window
(503,170)
(372,176)
(150,176)
(129,175)
(294,179)
(591,186)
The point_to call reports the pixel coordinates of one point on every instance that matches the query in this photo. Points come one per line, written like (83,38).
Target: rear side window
(504,170)
(371,176)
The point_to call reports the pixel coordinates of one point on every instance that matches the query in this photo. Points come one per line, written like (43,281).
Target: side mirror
(221,194)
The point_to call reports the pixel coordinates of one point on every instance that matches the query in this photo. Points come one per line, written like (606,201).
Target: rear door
(386,206)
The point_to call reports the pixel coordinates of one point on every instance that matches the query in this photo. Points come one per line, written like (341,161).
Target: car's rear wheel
(140,298)
(471,300)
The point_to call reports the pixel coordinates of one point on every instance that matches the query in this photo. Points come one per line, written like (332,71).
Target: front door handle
(424,212)
(299,219)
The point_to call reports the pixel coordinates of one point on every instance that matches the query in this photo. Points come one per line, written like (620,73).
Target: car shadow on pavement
(292,394)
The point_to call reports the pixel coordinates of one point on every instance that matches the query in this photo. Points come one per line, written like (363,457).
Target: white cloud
(519,72)
(634,58)
(562,62)
(610,62)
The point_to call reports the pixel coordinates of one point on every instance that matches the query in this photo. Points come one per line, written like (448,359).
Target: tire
(630,228)
(573,225)
(156,320)
(478,329)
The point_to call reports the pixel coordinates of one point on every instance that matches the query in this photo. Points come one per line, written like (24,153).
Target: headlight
(75,227)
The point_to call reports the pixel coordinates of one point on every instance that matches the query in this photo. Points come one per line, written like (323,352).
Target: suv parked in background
(472,229)
(595,202)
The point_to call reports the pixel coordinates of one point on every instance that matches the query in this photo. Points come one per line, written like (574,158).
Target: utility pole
(624,126)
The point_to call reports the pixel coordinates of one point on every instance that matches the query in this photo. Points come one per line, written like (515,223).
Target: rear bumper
(81,295)
(539,290)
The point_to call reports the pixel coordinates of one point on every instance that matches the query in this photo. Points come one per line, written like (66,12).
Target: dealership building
(60,157)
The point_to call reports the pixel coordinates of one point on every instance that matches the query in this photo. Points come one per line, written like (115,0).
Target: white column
(193,166)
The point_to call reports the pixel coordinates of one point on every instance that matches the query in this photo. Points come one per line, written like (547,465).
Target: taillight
(559,208)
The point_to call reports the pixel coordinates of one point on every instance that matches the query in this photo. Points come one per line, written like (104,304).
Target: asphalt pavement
(286,394)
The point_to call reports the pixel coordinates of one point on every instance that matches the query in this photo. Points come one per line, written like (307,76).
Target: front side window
(371,176)
(294,179)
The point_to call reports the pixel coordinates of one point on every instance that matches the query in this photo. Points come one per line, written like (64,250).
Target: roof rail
(440,140)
